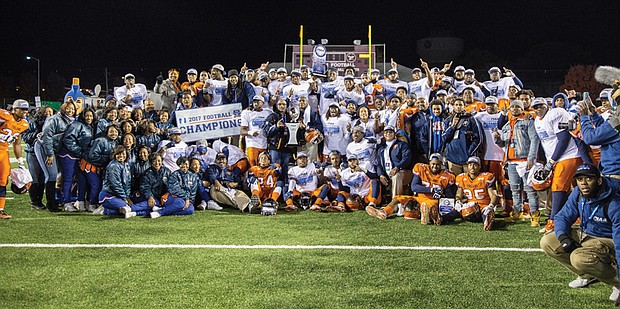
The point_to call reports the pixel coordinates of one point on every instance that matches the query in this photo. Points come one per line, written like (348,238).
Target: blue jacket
(600,216)
(596,131)
(53,130)
(399,154)
(100,151)
(244,96)
(223,175)
(419,132)
(164,126)
(138,168)
(117,179)
(101,125)
(77,139)
(153,183)
(466,144)
(30,135)
(524,138)
(183,185)
(278,137)
(151,141)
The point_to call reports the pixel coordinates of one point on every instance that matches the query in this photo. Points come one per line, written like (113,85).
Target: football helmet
(20,180)
(305,200)
(470,211)
(354,202)
(542,178)
(269,207)
(313,136)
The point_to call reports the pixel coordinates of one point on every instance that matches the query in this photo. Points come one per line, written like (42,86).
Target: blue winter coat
(153,183)
(464,144)
(399,153)
(30,135)
(53,130)
(117,179)
(596,131)
(100,151)
(183,185)
(151,141)
(77,139)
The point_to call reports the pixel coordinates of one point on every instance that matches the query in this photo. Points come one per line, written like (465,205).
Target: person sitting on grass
(152,186)
(203,197)
(226,183)
(114,196)
(182,187)
(362,189)
(263,180)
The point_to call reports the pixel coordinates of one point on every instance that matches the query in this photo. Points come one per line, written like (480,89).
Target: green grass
(275,278)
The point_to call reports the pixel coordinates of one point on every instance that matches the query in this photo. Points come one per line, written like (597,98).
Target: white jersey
(137,92)
(263,92)
(343,94)
(369,126)
(499,88)
(358,182)
(478,94)
(254,121)
(365,152)
(489,124)
(273,86)
(172,154)
(326,88)
(335,133)
(306,178)
(217,89)
(205,159)
(389,88)
(389,117)
(298,90)
(420,88)
(547,129)
(330,173)
(234,153)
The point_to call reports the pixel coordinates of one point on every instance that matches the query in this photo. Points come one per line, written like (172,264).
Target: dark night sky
(72,35)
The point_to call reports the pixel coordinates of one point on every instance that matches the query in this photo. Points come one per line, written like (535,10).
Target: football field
(232,260)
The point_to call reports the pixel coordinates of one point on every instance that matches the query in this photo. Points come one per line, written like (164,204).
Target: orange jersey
(10,129)
(404,115)
(476,106)
(476,190)
(194,88)
(428,179)
(266,177)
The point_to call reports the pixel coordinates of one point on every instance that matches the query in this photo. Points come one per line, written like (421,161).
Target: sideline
(277,247)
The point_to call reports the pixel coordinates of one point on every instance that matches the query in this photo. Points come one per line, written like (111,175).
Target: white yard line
(276,247)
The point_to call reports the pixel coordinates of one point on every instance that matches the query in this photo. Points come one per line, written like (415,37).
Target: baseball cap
(435,157)
(435,70)
(202,143)
(490,100)
(349,77)
(389,128)
(517,103)
(301,155)
(415,70)
(218,67)
(459,68)
(442,92)
(192,71)
(375,71)
(272,70)
(494,69)
(358,128)
(233,72)
(262,76)
(539,101)
(334,104)
(129,75)
(470,71)
(474,160)
(258,98)
(304,67)
(447,79)
(295,72)
(282,70)
(220,155)
(587,170)
(392,71)
(175,131)
(21,104)
(379,97)
(351,157)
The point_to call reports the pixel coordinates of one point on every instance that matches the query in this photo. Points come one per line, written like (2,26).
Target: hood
(607,188)
(566,101)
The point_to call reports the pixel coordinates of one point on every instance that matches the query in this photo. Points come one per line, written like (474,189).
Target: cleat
(548,227)
(488,221)
(424,214)
(99,211)
(290,208)
(316,208)
(377,213)
(4,215)
(434,215)
(338,208)
(581,282)
(255,201)
(212,205)
(535,218)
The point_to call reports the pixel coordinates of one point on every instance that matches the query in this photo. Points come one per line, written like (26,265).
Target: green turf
(267,278)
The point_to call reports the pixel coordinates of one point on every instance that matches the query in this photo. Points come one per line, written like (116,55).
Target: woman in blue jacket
(96,160)
(47,147)
(30,137)
(182,187)
(76,141)
(110,115)
(149,138)
(114,196)
(139,167)
(152,187)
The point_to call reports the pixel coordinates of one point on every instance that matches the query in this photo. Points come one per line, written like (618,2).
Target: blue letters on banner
(209,122)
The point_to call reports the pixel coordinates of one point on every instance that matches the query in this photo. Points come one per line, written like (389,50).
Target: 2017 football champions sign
(209,122)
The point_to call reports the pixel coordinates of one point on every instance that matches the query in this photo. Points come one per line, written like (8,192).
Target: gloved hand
(7,138)
(568,243)
(489,209)
(21,163)
(549,167)
(437,192)
(159,79)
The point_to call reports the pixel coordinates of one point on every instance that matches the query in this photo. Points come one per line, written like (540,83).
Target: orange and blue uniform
(9,133)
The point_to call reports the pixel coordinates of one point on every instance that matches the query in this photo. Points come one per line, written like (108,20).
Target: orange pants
(495,168)
(563,174)
(420,198)
(252,154)
(265,193)
(5,171)
(243,165)
(297,194)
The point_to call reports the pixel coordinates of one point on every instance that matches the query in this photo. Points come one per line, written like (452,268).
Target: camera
(569,125)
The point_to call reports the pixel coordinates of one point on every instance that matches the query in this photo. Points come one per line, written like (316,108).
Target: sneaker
(37,206)
(155,208)
(124,210)
(90,207)
(4,215)
(377,213)
(488,221)
(79,205)
(401,210)
(70,208)
(290,208)
(433,214)
(535,218)
(548,227)
(130,214)
(615,293)
(255,201)
(337,208)
(99,211)
(582,282)
(212,205)
(424,214)
(316,208)
(202,206)
(155,214)
(517,216)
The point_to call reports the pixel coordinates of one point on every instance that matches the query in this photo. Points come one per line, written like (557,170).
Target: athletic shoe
(212,205)
(255,201)
(130,214)
(155,208)
(377,213)
(155,214)
(290,208)
(37,206)
(401,210)
(90,207)
(202,206)
(517,216)
(70,208)
(316,208)
(433,214)
(615,293)
(535,218)
(488,221)
(424,214)
(125,209)
(548,227)
(581,282)
(99,211)
(4,215)
(79,205)
(337,208)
